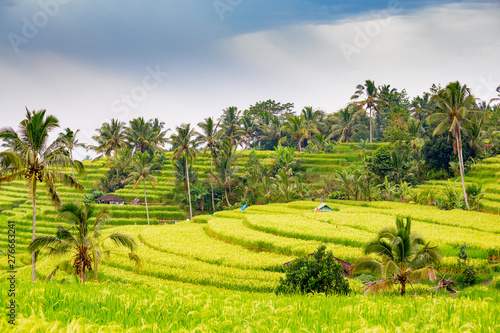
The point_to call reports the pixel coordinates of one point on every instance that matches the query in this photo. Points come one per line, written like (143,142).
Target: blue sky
(89,61)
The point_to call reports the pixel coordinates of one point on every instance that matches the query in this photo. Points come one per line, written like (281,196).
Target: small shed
(110,199)
(323,208)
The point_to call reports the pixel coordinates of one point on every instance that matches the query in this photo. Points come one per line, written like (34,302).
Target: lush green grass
(487,173)
(216,273)
(173,307)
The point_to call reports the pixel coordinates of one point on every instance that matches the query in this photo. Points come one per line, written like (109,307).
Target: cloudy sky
(181,61)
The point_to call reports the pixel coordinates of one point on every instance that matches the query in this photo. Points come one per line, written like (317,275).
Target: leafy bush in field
(317,274)
(381,163)
(438,152)
(468,276)
(91,197)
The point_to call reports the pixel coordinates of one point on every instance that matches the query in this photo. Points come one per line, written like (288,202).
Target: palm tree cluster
(31,155)
(140,136)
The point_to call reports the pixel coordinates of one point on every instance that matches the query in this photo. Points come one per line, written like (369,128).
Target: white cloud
(434,45)
(300,63)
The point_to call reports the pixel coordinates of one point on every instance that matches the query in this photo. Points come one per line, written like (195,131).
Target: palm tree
(30,154)
(313,117)
(321,141)
(495,99)
(209,136)
(285,183)
(181,176)
(345,122)
(405,257)
(299,129)
(68,137)
(226,170)
(370,93)
(143,169)
(145,135)
(230,124)
(84,241)
(110,138)
(453,105)
(184,144)
(248,129)
(272,130)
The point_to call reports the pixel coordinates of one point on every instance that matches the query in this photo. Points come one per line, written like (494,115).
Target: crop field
(485,173)
(218,273)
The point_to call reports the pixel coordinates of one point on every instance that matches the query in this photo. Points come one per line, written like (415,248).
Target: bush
(438,151)
(381,163)
(468,276)
(317,274)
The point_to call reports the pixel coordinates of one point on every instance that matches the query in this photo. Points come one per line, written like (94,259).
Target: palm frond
(366,264)
(43,242)
(425,273)
(123,240)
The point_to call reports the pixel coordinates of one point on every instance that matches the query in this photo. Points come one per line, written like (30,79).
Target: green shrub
(317,274)
(468,276)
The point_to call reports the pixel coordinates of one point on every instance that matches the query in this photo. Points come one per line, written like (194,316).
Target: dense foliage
(319,273)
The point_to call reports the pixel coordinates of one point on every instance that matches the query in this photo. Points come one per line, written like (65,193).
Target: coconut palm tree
(371,99)
(299,129)
(230,124)
(248,128)
(404,257)
(345,122)
(495,99)
(145,135)
(453,107)
(313,117)
(69,140)
(272,130)
(209,136)
(110,138)
(31,155)
(184,144)
(143,169)
(285,183)
(83,239)
(321,141)
(226,170)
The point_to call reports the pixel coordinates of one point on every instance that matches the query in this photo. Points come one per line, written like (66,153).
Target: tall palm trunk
(33,255)
(461,163)
(189,191)
(227,199)
(71,158)
(211,184)
(145,199)
(370,124)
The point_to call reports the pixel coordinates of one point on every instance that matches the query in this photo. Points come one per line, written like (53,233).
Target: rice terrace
(250,166)
(315,234)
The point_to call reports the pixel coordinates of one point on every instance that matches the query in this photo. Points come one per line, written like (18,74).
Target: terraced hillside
(487,173)
(315,164)
(245,250)
(15,204)
(197,274)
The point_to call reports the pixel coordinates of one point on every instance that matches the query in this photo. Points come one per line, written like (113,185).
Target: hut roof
(110,197)
(323,208)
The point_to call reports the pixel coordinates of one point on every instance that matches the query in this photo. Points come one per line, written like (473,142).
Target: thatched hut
(110,199)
